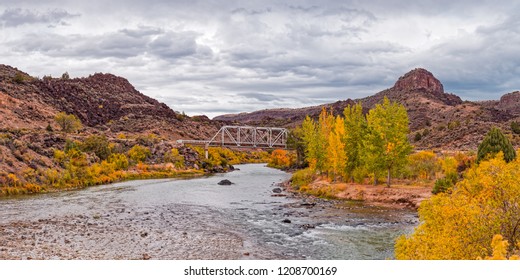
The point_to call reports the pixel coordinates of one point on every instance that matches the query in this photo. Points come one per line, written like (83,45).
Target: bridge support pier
(206,147)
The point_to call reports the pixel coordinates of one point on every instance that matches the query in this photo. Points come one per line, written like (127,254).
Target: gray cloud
(16,16)
(201,56)
(125,43)
(260,96)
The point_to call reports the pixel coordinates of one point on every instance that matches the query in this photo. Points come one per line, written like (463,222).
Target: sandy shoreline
(397,196)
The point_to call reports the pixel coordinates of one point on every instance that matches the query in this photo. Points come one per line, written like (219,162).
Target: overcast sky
(218,56)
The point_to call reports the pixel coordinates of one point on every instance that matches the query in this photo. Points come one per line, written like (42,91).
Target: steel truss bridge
(244,137)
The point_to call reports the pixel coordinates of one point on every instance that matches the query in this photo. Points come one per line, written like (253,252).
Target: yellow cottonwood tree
(336,156)
(386,144)
(325,125)
(461,225)
(355,132)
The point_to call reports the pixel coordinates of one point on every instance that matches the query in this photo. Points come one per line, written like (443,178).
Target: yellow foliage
(279,159)
(12,180)
(423,164)
(302,177)
(336,154)
(68,123)
(448,165)
(138,153)
(461,225)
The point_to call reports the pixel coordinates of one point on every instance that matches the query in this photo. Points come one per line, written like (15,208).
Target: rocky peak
(419,79)
(510,103)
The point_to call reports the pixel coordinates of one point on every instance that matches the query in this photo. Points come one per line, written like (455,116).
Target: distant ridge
(438,120)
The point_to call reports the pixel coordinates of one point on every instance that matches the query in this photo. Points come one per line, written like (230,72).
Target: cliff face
(419,79)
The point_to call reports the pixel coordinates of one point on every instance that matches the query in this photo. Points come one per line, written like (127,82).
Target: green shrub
(444,184)
(119,160)
(302,177)
(19,78)
(139,153)
(98,145)
(494,142)
(174,157)
(68,123)
(515,127)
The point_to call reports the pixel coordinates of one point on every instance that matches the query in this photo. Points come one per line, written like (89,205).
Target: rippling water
(211,218)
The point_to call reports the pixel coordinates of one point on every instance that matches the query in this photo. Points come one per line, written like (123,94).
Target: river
(196,219)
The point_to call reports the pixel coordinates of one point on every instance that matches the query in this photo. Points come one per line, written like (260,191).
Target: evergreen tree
(494,142)
(295,141)
(386,144)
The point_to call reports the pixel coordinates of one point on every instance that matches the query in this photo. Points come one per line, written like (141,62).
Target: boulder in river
(277,190)
(287,221)
(225,182)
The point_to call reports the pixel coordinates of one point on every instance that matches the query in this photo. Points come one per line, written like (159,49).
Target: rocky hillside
(438,120)
(103,102)
(107,105)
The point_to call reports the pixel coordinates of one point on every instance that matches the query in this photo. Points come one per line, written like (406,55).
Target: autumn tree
(68,123)
(279,159)
(315,137)
(494,142)
(386,144)
(325,125)
(355,132)
(336,155)
(462,225)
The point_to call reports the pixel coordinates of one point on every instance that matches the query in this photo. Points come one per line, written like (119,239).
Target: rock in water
(225,182)
(277,190)
(287,221)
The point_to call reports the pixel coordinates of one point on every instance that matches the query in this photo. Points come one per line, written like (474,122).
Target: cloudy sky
(223,56)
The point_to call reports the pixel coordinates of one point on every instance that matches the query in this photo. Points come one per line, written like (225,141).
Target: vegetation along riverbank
(67,160)
(468,202)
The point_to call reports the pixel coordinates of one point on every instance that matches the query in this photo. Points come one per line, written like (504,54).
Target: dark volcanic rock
(277,190)
(225,182)
(100,98)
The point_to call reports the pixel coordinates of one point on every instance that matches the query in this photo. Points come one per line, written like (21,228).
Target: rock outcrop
(419,79)
(510,103)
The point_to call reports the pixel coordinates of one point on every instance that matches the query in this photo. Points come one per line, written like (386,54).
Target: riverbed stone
(225,182)
(277,190)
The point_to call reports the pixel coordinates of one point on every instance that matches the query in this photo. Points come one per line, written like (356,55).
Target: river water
(196,219)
